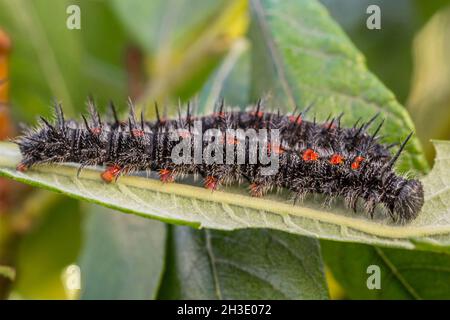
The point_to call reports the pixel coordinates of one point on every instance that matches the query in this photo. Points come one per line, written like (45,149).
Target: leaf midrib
(396,273)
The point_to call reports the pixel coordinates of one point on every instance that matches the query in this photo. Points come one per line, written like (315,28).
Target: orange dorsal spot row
(110,173)
(210,183)
(357,162)
(336,159)
(166,176)
(295,119)
(310,155)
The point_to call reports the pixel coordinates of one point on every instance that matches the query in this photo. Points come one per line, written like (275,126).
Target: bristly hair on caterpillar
(314,158)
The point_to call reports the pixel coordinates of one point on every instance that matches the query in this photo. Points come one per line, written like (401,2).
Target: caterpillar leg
(22,167)
(166,175)
(259,189)
(111,173)
(211,182)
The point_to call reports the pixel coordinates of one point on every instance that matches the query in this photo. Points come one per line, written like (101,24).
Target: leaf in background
(86,61)
(185,40)
(105,46)
(301,56)
(429,100)
(43,65)
(123,256)
(230,81)
(245,264)
(8,272)
(154,23)
(405,274)
(400,21)
(50,247)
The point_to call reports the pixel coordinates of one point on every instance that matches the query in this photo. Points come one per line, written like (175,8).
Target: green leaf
(405,274)
(244,264)
(231,209)
(429,100)
(230,80)
(8,272)
(105,43)
(184,41)
(123,256)
(158,23)
(36,30)
(301,56)
(399,23)
(67,64)
(48,248)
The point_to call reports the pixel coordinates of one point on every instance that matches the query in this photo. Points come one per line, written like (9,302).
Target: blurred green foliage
(429,99)
(51,245)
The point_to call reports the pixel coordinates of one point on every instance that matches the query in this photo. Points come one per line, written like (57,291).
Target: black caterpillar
(322,158)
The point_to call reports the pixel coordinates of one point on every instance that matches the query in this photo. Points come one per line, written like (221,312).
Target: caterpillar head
(410,200)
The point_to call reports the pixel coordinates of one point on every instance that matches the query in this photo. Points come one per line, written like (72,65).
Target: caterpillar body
(313,158)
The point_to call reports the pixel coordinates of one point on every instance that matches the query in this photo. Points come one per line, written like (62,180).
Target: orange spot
(110,173)
(232,140)
(357,162)
(229,140)
(22,167)
(336,159)
(310,155)
(184,134)
(295,119)
(258,114)
(355,165)
(137,133)
(211,183)
(277,149)
(330,125)
(219,114)
(96,131)
(166,176)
